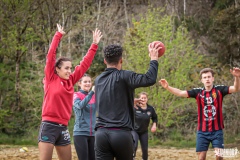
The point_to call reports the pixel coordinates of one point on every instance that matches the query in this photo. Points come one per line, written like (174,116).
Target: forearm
(85,63)
(177,91)
(145,80)
(51,56)
(53,46)
(236,84)
(80,104)
(151,75)
(154,124)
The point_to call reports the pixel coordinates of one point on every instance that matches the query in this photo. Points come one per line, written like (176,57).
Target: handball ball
(160,51)
(23,149)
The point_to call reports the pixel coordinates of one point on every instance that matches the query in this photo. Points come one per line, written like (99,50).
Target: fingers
(161,81)
(97,35)
(235,71)
(60,29)
(153,51)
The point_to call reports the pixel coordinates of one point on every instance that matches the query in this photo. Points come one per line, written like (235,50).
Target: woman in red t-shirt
(57,105)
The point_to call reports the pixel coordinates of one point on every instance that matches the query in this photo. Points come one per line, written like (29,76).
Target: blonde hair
(143,93)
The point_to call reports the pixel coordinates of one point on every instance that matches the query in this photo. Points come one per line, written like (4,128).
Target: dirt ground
(158,153)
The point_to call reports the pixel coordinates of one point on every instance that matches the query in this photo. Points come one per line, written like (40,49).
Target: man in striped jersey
(209,101)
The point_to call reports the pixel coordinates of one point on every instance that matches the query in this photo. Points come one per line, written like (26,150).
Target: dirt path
(159,153)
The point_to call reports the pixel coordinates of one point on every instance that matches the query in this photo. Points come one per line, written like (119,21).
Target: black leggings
(110,143)
(84,146)
(143,137)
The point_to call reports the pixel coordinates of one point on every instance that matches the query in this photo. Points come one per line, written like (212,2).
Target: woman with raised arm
(57,105)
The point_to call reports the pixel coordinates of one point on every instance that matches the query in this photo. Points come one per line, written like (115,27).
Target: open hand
(60,29)
(137,101)
(164,83)
(97,35)
(235,72)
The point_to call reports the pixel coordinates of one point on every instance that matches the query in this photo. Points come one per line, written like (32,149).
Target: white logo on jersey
(212,110)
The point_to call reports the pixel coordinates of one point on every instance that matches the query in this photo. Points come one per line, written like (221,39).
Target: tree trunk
(126,14)
(84,29)
(184,8)
(17,79)
(98,14)
(69,55)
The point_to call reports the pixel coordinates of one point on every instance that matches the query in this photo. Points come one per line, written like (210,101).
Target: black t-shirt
(142,118)
(114,91)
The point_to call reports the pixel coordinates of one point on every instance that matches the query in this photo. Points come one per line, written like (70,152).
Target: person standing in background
(143,114)
(85,119)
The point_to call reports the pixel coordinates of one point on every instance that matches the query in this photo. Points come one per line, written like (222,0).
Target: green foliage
(223,4)
(224,35)
(178,65)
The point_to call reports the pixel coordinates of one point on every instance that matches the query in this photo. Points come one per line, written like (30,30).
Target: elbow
(153,81)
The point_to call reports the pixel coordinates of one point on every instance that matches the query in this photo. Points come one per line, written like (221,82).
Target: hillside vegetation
(197,34)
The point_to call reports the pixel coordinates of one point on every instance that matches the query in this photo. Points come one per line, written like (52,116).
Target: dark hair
(205,70)
(85,75)
(60,61)
(113,53)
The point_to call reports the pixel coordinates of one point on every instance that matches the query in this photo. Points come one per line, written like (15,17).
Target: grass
(175,139)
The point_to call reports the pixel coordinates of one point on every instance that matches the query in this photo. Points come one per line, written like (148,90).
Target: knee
(202,158)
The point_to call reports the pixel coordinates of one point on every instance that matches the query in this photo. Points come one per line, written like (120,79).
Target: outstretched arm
(236,86)
(173,90)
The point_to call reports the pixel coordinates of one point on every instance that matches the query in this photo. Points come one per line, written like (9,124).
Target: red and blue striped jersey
(210,117)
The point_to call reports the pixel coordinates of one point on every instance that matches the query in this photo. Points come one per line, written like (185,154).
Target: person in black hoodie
(143,114)
(114,91)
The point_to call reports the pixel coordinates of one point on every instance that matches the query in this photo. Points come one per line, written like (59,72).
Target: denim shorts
(205,138)
(54,133)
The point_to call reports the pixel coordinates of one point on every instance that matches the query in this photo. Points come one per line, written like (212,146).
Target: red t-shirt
(58,92)
(209,103)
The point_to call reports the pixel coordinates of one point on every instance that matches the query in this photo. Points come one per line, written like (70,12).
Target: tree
(224,33)
(178,65)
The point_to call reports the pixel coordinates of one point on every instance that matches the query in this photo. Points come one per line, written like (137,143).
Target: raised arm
(236,86)
(173,90)
(144,80)
(88,58)
(51,56)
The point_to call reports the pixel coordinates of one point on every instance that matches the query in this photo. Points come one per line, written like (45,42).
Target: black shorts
(54,133)
(110,143)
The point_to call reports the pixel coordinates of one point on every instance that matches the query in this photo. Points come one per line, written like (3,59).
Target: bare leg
(218,157)
(202,155)
(45,150)
(64,152)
